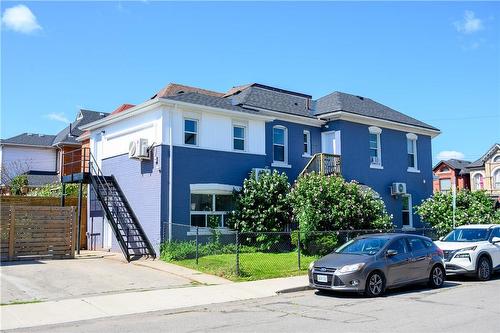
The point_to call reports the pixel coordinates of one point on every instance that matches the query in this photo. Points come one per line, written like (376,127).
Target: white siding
(21,159)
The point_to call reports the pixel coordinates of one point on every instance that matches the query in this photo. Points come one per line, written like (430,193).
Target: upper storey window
(375,147)
(191,132)
(411,147)
(280,145)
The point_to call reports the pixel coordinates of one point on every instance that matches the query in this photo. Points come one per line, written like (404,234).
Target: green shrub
(471,208)
(55,190)
(18,182)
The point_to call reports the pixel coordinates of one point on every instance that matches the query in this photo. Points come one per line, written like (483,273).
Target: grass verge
(253,266)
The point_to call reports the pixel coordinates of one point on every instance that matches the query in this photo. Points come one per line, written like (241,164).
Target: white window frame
(494,159)
(307,134)
(245,131)
(410,212)
(377,132)
(494,184)
(197,133)
(474,184)
(411,137)
(213,190)
(281,164)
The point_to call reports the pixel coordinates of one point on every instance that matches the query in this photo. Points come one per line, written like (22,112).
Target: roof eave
(349,116)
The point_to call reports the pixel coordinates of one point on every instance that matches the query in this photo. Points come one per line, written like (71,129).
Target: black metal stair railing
(119,213)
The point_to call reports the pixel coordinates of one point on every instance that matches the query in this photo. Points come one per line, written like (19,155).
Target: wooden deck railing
(325,164)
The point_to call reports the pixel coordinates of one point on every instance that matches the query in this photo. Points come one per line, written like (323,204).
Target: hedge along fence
(37,232)
(51,202)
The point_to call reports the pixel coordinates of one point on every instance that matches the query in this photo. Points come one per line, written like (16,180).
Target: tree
(471,208)
(328,203)
(262,203)
(322,202)
(17,184)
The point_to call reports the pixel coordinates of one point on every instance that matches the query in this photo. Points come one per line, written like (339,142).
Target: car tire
(375,284)
(483,271)
(437,277)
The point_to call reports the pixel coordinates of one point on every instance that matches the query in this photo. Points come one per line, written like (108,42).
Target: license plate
(322,278)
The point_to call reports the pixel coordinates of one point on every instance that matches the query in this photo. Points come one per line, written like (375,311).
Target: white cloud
(58,117)
(449,154)
(20,18)
(469,24)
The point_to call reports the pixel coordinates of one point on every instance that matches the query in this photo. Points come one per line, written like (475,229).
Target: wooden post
(80,194)
(63,193)
(73,218)
(12,234)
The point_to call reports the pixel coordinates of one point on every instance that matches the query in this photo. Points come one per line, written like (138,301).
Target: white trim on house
(413,138)
(307,153)
(355,118)
(213,188)
(377,131)
(284,163)
(289,117)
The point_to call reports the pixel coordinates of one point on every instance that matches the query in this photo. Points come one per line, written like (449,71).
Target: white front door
(330,142)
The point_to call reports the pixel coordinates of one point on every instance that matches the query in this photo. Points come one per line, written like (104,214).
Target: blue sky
(438,62)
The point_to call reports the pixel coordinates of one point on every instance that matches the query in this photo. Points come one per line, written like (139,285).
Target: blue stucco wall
(140,181)
(295,146)
(202,166)
(356,165)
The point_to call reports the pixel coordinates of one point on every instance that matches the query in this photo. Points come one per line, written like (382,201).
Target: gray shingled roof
(274,99)
(459,165)
(339,101)
(213,101)
(480,162)
(87,116)
(30,139)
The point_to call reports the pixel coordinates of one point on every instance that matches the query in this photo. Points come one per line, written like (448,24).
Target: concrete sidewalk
(84,308)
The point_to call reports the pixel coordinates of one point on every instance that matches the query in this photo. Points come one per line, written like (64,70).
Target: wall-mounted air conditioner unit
(398,188)
(139,149)
(259,171)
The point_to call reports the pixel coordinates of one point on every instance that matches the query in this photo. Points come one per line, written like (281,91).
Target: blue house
(176,158)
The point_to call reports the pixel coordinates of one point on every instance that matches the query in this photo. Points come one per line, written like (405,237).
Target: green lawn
(253,266)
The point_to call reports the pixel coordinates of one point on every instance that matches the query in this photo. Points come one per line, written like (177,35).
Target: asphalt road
(461,306)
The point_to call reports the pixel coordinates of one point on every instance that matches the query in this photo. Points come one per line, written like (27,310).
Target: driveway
(31,281)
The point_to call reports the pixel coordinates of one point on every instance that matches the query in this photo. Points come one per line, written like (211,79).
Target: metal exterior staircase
(125,224)
(322,163)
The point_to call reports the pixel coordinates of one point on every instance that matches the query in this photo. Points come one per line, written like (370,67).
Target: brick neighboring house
(447,173)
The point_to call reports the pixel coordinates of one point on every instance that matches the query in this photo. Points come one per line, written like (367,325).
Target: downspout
(170,175)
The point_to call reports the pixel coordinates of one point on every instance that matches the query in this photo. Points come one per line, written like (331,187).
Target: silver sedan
(370,264)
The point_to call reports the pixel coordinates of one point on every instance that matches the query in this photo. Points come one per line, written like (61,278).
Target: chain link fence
(258,255)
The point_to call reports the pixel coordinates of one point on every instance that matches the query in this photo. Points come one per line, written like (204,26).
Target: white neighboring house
(30,154)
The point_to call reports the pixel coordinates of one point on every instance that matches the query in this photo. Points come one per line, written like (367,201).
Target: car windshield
(467,235)
(369,246)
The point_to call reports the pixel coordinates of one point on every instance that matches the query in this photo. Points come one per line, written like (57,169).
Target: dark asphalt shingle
(87,116)
(212,101)
(339,101)
(30,139)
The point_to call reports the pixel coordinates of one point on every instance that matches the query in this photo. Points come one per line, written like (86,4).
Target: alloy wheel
(437,276)
(484,270)
(375,284)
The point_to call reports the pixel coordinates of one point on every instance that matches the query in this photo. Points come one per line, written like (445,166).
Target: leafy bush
(316,243)
(262,204)
(55,190)
(180,250)
(471,208)
(17,184)
(330,203)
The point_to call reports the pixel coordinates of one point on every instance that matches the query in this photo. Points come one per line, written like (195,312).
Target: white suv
(472,249)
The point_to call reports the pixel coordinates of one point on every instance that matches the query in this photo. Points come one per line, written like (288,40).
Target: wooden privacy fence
(37,232)
(22,200)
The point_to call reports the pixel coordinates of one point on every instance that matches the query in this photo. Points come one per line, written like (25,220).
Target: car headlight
(351,268)
(311,265)
(471,248)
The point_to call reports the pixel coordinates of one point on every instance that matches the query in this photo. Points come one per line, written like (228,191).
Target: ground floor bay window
(210,204)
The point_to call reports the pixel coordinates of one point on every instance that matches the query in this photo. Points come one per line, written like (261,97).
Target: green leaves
(471,208)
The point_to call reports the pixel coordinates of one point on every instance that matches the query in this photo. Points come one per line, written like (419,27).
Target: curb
(293,290)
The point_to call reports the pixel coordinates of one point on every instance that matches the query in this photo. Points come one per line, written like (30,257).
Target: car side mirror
(495,240)
(391,253)
(441,238)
